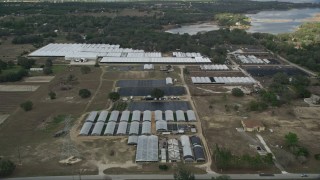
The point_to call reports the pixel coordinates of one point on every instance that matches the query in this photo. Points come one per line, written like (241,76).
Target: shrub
(157,93)
(52,95)
(237,92)
(163,167)
(257,106)
(27,106)
(84,93)
(114,96)
(6,167)
(317,156)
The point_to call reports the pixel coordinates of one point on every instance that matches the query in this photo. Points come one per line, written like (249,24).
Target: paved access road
(165,177)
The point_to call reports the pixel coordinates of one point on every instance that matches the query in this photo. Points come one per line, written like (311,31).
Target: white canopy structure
(147,149)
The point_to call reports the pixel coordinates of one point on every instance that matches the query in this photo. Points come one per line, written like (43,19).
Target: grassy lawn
(58,68)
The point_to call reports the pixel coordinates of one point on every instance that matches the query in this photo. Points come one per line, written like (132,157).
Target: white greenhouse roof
(122,128)
(92,116)
(97,129)
(161,125)
(86,128)
(147,115)
(147,149)
(180,115)
(158,115)
(191,115)
(146,60)
(136,115)
(103,116)
(134,128)
(185,141)
(110,128)
(169,115)
(125,116)
(146,127)
(133,140)
(114,116)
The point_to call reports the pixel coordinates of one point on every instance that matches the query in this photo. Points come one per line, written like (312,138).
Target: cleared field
(11,100)
(38,79)
(3,117)
(18,88)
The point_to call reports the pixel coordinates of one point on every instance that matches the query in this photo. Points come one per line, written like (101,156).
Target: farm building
(191,115)
(146,128)
(97,130)
(114,116)
(136,115)
(146,115)
(223,80)
(195,140)
(163,155)
(186,54)
(148,67)
(158,115)
(122,128)
(180,115)
(185,141)
(214,67)
(103,116)
(154,60)
(134,128)
(92,116)
(199,153)
(187,154)
(147,149)
(86,129)
(125,116)
(252,125)
(169,81)
(173,150)
(110,128)
(161,126)
(169,115)
(133,140)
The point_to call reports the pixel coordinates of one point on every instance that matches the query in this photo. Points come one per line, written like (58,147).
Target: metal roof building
(191,115)
(85,129)
(134,128)
(110,128)
(133,140)
(103,116)
(195,140)
(150,60)
(173,150)
(161,125)
(180,116)
(158,115)
(169,115)
(187,154)
(92,116)
(185,141)
(97,130)
(114,116)
(122,128)
(199,153)
(136,115)
(125,116)
(146,128)
(169,81)
(147,115)
(147,149)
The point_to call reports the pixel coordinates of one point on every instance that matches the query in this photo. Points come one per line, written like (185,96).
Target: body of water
(194,29)
(276,22)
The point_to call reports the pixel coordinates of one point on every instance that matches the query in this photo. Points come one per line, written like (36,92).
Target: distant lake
(194,28)
(276,22)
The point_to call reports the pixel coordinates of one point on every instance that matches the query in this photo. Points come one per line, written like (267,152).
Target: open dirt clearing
(38,79)
(9,101)
(18,88)
(3,117)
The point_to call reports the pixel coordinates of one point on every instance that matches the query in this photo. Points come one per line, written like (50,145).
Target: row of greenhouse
(151,149)
(127,116)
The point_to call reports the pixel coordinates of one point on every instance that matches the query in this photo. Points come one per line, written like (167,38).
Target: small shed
(169,81)
(252,125)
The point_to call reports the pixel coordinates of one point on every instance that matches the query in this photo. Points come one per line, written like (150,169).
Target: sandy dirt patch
(18,88)
(39,79)
(3,117)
